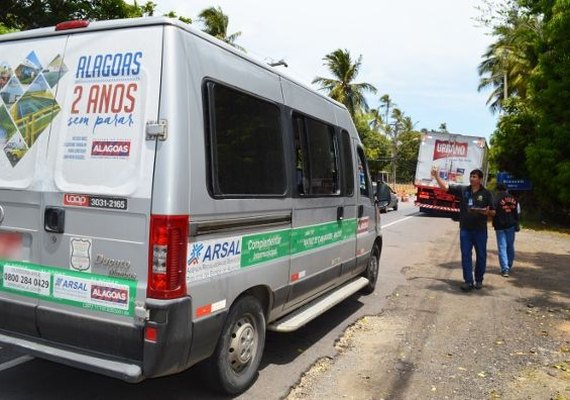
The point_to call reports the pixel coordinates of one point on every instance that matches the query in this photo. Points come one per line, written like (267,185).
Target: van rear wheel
(240,347)
(372,269)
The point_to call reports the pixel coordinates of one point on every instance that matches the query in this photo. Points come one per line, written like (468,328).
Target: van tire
(244,331)
(372,270)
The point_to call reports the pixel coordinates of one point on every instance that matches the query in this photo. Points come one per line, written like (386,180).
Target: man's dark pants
(469,239)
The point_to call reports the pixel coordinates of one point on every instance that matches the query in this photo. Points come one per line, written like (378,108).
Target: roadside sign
(514,183)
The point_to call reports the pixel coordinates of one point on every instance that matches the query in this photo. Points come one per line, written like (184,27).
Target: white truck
(455,156)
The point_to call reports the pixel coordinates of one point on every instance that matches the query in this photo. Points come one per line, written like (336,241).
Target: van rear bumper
(128,372)
(111,348)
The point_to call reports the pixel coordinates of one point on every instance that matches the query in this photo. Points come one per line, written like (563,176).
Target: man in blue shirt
(476,207)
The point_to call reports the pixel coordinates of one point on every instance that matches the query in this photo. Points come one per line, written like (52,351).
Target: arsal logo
(77,200)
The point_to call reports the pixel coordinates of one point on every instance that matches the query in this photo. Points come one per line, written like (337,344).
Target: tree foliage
(216,24)
(408,148)
(532,138)
(549,154)
(400,139)
(376,146)
(29,14)
(510,60)
(342,87)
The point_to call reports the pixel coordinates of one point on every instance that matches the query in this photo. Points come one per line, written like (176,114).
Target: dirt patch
(510,340)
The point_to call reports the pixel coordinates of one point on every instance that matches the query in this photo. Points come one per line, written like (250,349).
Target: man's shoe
(478,285)
(505,274)
(467,287)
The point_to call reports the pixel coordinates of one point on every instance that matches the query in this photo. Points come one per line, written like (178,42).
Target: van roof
(150,21)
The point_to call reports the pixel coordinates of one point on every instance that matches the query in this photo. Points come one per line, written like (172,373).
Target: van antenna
(278,63)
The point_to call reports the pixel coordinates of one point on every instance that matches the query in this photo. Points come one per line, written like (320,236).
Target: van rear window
(245,144)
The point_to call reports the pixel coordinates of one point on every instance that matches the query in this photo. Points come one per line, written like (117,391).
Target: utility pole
(395,151)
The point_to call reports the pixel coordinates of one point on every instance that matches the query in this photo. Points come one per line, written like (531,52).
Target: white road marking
(15,362)
(396,222)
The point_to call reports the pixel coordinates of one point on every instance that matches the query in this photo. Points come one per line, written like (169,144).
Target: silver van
(165,199)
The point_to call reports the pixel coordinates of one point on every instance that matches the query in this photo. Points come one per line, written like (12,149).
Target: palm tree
(341,87)
(508,63)
(375,120)
(386,103)
(216,24)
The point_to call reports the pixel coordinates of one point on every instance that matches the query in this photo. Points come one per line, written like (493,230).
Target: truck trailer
(455,156)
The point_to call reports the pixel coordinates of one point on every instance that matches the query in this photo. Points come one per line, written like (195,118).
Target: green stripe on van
(269,246)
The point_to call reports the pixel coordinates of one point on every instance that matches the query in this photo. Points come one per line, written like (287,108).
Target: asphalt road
(406,237)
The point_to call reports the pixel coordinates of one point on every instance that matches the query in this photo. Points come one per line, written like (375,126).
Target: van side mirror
(382,194)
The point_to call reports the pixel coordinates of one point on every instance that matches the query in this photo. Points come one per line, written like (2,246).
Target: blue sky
(424,54)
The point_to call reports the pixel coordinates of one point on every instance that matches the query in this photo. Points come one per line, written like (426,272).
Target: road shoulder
(510,340)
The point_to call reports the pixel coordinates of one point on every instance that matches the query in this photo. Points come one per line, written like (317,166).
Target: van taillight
(167,256)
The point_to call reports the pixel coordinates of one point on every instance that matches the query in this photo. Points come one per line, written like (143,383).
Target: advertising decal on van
(27,103)
(105,95)
(94,292)
(84,200)
(103,120)
(219,256)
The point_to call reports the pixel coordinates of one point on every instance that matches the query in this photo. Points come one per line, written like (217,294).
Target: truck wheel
(423,210)
(371,272)
(237,356)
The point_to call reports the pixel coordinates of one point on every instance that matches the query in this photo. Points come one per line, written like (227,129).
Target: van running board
(298,318)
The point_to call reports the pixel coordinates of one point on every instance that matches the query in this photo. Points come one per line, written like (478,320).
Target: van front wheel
(240,346)
(372,269)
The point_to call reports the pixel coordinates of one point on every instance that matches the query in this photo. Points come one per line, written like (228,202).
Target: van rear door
(27,107)
(93,185)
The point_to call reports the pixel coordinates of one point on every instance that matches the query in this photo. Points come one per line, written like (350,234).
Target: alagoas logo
(110,294)
(102,148)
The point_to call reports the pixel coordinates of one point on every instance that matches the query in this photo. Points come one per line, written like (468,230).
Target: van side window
(316,157)
(245,144)
(347,170)
(363,175)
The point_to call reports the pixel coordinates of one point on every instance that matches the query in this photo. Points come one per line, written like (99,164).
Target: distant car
(385,197)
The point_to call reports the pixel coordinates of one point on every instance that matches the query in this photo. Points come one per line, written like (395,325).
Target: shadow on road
(51,381)
(545,272)
(283,348)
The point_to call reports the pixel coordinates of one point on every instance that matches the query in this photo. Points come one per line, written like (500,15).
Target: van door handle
(340,213)
(360,211)
(54,220)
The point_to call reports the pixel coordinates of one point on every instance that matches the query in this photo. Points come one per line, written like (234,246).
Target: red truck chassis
(430,199)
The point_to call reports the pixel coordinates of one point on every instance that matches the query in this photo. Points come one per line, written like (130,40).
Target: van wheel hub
(243,344)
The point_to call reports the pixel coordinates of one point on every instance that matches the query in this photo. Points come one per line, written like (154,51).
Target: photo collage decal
(27,103)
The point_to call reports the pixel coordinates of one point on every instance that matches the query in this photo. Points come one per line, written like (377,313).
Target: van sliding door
(323,223)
